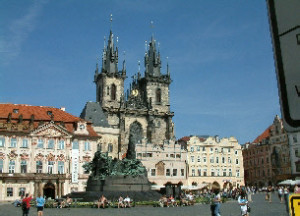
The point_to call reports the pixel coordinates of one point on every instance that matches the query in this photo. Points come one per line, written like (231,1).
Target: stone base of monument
(137,188)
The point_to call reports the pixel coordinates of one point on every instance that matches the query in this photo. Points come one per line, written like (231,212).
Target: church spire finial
(111,19)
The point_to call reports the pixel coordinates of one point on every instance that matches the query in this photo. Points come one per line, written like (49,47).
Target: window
(204,159)
(99,147)
(39,167)
(229,160)
(40,143)
(295,139)
(236,152)
(50,167)
(13,142)
(237,173)
(224,172)
(218,172)
(174,172)
(229,172)
(51,144)
(211,160)
(229,150)
(22,191)
(192,148)
(23,166)
(158,96)
(2,141)
(204,172)
(61,167)
(11,166)
(1,166)
(236,161)
(203,148)
(211,149)
(168,173)
(192,159)
(216,149)
(182,172)
(85,170)
(110,147)
(75,145)
(223,160)
(107,90)
(113,92)
(193,172)
(212,172)
(87,146)
(25,143)
(198,159)
(9,192)
(198,148)
(153,172)
(199,172)
(217,159)
(61,144)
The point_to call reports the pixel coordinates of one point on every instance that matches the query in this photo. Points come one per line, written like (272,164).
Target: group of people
(40,202)
(122,202)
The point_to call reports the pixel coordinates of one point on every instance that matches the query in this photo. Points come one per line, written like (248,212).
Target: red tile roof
(41,113)
(264,135)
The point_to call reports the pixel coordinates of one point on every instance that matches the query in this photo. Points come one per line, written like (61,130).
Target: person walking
(280,194)
(26,204)
(286,198)
(217,203)
(40,202)
(243,202)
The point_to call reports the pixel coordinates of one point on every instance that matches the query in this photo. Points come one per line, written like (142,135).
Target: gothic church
(142,113)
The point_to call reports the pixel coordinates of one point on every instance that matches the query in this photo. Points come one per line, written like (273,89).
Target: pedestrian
(26,204)
(286,198)
(249,193)
(269,190)
(216,203)
(40,202)
(243,202)
(280,194)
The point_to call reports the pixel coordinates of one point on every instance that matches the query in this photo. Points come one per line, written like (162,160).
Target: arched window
(158,96)
(113,92)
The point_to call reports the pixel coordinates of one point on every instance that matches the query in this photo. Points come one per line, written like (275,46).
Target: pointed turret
(152,60)
(110,56)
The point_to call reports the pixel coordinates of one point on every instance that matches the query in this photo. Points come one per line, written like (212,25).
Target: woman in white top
(243,202)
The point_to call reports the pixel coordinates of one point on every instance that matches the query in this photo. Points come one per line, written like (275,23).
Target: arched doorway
(135,136)
(49,190)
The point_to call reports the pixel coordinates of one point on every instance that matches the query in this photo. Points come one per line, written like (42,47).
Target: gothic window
(135,136)
(158,96)
(113,92)
(107,90)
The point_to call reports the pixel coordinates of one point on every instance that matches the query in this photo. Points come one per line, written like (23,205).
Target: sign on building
(284,20)
(75,154)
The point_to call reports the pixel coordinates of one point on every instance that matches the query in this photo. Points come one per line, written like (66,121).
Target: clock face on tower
(135,92)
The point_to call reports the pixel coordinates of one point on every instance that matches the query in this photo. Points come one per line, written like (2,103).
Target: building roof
(264,135)
(24,114)
(93,112)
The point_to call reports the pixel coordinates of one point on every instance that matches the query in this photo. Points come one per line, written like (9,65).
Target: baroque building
(267,158)
(143,111)
(42,150)
(213,162)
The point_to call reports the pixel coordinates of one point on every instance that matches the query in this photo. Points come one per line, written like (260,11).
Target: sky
(219,53)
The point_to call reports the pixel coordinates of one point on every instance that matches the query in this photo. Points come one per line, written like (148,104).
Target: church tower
(110,82)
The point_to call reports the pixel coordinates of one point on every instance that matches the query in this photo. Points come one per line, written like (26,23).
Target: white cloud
(18,32)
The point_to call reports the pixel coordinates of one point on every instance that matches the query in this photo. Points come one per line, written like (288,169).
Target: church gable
(50,130)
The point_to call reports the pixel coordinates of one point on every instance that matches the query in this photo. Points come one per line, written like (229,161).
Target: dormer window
(16,110)
(49,113)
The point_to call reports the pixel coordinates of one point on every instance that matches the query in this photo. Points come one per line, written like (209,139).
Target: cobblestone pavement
(259,207)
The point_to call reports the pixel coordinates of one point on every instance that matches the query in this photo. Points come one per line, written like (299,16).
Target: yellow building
(214,161)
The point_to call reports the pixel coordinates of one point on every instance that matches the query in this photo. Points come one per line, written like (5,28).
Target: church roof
(93,112)
(263,136)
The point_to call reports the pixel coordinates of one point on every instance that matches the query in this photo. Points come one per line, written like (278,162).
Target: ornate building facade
(141,112)
(213,162)
(267,158)
(42,150)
